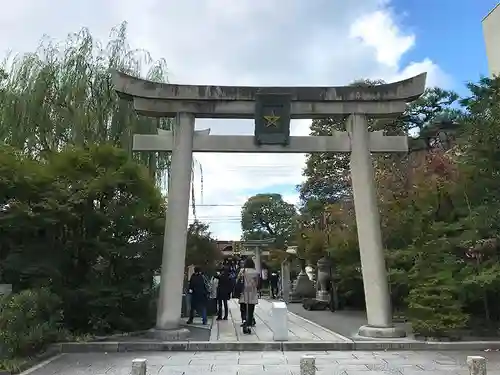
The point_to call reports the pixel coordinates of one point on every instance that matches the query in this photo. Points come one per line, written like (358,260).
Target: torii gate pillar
(375,283)
(177,217)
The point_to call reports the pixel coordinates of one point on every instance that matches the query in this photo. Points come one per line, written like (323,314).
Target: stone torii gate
(272,108)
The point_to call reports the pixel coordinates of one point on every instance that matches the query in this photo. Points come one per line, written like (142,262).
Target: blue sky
(450,33)
(269,42)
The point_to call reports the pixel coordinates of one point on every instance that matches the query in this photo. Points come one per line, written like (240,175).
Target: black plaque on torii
(272,119)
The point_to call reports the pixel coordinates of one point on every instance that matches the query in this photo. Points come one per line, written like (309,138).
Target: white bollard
(5,289)
(477,365)
(138,366)
(279,321)
(308,365)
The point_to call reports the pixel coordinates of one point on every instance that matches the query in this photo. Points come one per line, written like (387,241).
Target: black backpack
(238,287)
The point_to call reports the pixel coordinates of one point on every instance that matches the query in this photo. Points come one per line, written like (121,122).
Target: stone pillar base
(176,334)
(323,295)
(381,332)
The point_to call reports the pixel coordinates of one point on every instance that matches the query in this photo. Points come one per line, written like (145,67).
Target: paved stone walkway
(299,329)
(344,322)
(272,363)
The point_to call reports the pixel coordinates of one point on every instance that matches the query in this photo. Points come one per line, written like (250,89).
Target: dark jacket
(199,292)
(225,286)
(273,279)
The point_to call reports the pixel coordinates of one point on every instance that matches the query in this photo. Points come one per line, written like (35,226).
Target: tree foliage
(29,321)
(439,212)
(327,174)
(265,216)
(88,225)
(79,215)
(201,249)
(63,95)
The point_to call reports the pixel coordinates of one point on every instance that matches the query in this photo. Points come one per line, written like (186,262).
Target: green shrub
(434,309)
(13,365)
(29,321)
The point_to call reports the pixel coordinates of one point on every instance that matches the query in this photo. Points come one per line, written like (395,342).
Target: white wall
(491,31)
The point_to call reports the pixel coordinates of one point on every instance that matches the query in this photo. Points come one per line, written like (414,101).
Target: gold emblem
(236,247)
(272,120)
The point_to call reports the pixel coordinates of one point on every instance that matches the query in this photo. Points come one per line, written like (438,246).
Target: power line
(230,205)
(217,221)
(217,218)
(218,205)
(274,166)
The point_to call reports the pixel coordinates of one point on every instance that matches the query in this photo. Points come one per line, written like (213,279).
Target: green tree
(403,197)
(327,174)
(268,216)
(453,279)
(201,247)
(29,321)
(88,224)
(63,95)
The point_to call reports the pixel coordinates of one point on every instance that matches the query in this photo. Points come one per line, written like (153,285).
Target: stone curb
(183,346)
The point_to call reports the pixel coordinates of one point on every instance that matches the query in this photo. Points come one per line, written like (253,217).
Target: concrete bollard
(279,321)
(138,366)
(477,365)
(308,365)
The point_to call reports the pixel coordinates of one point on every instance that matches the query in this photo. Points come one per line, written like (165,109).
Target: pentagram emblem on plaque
(272,119)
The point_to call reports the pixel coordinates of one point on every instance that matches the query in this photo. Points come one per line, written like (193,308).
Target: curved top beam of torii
(407,90)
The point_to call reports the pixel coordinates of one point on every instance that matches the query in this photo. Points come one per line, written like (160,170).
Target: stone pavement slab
(299,329)
(270,362)
(344,322)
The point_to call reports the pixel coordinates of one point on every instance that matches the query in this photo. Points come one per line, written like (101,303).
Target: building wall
(491,31)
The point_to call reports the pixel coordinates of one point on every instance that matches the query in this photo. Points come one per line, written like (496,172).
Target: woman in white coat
(250,294)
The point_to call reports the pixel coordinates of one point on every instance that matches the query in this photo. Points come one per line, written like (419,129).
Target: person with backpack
(223,293)
(199,291)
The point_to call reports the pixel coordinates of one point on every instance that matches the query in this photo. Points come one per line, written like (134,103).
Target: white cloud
(378,31)
(244,42)
(435,76)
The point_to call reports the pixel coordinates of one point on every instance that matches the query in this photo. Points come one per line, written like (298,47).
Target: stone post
(174,242)
(285,280)
(308,365)
(258,261)
(477,365)
(5,289)
(138,366)
(323,281)
(378,307)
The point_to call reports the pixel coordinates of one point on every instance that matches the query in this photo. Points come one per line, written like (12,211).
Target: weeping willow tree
(62,95)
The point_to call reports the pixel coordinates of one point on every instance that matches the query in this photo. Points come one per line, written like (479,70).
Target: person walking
(199,296)
(224,289)
(232,278)
(273,281)
(249,296)
(214,285)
